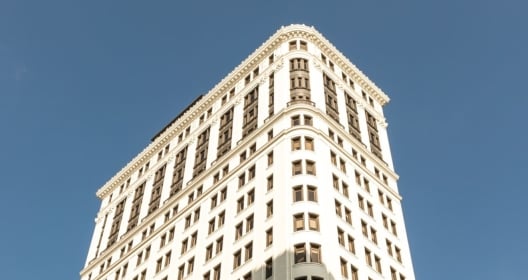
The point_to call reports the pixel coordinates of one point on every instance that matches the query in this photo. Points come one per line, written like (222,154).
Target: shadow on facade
(284,267)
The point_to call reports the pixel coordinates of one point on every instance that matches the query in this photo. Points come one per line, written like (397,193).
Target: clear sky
(84,85)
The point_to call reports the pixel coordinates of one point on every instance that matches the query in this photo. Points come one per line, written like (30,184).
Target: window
(340,237)
(377,261)
(240,204)
(351,246)
(344,187)
(269,183)
(310,167)
(190,266)
(358,178)
(295,120)
(312,193)
(303,45)
(308,144)
(293,45)
(393,227)
(298,222)
(223,194)
(366,185)
(296,143)
(269,237)
(344,268)
(296,167)
(348,216)
(342,165)
(308,120)
(248,251)
(194,238)
(216,272)
(338,208)
(251,172)
(315,253)
(313,222)
(247,276)
(368,257)
(297,193)
(364,229)
(211,226)
(398,254)
(167,258)
(361,202)
(196,215)
(354,270)
(373,236)
(221,219)
(335,182)
(241,180)
(237,259)
(389,203)
(250,223)
(214,201)
(370,211)
(269,268)
(181,272)
(389,247)
(270,158)
(269,209)
(251,197)
(208,252)
(300,253)
(219,245)
(238,231)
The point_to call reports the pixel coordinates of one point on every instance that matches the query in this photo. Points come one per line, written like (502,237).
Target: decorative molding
(317,65)
(382,123)
(280,64)
(283,34)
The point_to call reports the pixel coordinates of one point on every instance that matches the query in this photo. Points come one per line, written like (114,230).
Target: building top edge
(285,33)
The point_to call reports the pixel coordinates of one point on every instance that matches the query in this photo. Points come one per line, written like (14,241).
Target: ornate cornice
(284,34)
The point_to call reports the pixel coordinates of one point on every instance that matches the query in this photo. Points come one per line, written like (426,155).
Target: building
(282,171)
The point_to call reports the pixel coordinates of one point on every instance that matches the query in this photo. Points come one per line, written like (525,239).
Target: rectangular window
(269,268)
(248,251)
(344,268)
(297,193)
(250,223)
(269,237)
(315,253)
(310,167)
(298,222)
(300,253)
(313,222)
(312,193)
(237,259)
(296,167)
(269,209)
(269,184)
(296,143)
(351,246)
(308,144)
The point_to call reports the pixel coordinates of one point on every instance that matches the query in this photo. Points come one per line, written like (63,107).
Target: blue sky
(85,84)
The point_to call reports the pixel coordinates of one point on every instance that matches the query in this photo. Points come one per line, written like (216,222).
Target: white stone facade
(298,197)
